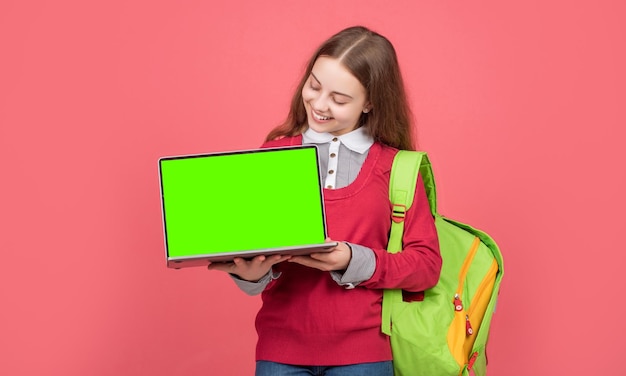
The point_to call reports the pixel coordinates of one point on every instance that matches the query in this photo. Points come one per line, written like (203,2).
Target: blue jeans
(264,368)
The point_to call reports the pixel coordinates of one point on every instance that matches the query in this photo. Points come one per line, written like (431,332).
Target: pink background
(520,105)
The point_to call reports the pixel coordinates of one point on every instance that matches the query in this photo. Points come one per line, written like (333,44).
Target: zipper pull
(472,359)
(458,305)
(468,326)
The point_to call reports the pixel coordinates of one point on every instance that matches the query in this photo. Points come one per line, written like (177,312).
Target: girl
(321,314)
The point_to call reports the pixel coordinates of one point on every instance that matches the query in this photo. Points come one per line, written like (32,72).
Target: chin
(317,127)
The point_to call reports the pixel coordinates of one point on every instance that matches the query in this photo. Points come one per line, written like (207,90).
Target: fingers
(325,257)
(221,266)
(276,259)
(337,259)
(241,266)
(310,262)
(321,261)
(255,262)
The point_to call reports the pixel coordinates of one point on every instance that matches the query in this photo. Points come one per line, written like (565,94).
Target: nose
(319,104)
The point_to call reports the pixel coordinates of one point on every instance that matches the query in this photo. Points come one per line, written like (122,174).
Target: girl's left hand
(337,259)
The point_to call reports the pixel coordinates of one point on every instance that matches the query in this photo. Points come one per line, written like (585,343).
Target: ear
(367,108)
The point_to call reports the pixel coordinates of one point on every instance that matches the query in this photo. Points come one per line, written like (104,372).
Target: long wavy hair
(372,59)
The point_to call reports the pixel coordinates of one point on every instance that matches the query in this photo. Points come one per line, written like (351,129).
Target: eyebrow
(334,92)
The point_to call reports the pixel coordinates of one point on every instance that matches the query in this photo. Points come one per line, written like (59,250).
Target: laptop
(244,203)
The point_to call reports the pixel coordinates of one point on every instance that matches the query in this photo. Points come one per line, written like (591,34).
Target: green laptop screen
(241,201)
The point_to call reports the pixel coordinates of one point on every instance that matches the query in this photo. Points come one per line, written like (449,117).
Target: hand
(337,259)
(249,270)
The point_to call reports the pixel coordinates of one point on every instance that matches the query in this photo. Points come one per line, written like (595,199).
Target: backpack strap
(402,182)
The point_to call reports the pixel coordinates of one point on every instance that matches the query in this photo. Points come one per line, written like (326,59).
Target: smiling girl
(321,313)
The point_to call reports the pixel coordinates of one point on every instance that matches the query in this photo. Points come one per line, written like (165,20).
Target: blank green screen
(241,201)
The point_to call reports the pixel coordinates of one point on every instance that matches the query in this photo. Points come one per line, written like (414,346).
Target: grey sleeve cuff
(255,288)
(361,267)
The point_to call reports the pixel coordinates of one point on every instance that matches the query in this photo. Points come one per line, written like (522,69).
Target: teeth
(318,117)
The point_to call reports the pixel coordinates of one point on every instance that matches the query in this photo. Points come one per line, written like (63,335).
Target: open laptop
(242,203)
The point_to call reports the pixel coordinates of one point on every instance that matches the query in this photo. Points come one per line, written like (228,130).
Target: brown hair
(371,58)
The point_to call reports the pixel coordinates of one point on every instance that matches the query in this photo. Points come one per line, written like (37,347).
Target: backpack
(445,333)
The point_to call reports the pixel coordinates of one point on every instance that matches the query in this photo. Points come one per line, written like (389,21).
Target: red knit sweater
(306,317)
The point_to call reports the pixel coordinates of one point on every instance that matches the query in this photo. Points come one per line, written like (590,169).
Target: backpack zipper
(458,301)
(460,321)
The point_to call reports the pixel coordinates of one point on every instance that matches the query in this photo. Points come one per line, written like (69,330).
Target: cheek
(307,95)
(346,114)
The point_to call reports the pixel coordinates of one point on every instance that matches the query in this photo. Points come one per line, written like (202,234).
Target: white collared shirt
(341,157)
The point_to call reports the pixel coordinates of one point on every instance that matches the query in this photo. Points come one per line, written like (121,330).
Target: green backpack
(446,333)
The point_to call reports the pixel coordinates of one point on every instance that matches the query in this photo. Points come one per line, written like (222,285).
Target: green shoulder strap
(402,181)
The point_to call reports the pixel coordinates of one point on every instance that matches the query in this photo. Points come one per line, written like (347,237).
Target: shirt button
(331,171)
(335,139)
(329,186)
(333,155)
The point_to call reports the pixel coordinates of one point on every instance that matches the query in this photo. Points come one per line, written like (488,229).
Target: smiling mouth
(319,117)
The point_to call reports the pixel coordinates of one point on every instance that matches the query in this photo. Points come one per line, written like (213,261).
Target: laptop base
(205,260)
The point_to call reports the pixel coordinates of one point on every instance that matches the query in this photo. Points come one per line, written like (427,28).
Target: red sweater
(306,317)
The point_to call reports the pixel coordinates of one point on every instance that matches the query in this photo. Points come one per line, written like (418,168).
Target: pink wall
(520,105)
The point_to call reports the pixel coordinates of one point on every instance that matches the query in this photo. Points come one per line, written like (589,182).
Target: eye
(314,86)
(340,99)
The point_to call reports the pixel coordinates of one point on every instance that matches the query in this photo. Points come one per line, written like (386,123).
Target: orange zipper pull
(458,305)
(468,326)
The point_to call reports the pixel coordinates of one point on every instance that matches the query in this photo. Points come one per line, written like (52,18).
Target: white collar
(357,140)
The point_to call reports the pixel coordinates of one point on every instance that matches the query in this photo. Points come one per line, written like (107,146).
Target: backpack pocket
(476,282)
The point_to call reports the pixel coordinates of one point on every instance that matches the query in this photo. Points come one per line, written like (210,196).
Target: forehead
(334,76)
